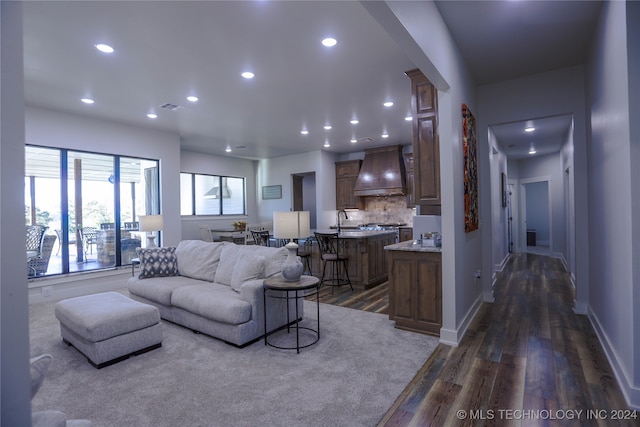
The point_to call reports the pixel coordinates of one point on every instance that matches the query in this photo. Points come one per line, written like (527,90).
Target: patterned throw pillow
(157,262)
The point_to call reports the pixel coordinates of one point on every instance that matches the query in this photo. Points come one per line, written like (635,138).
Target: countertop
(358,234)
(411,246)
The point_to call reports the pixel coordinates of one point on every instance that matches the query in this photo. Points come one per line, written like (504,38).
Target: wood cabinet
(426,146)
(405,233)
(346,177)
(415,290)
(408,167)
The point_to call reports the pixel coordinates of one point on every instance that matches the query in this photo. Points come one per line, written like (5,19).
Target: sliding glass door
(91,203)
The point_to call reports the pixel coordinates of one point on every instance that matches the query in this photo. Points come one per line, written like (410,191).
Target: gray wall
(14,335)
(614,188)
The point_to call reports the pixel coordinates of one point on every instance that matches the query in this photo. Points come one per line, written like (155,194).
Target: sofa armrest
(251,291)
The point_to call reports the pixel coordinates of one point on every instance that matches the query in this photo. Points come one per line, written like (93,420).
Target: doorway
(536,218)
(304,195)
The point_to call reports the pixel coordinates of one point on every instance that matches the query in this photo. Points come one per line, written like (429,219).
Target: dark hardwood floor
(526,360)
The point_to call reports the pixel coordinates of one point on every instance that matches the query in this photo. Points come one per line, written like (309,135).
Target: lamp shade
(151,222)
(291,225)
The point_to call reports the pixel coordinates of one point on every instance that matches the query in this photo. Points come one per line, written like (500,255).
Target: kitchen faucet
(345,217)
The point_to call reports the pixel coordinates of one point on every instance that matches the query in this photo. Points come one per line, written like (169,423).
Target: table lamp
(291,225)
(151,223)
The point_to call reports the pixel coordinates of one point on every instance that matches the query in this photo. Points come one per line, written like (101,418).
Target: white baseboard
(453,337)
(503,263)
(580,308)
(630,391)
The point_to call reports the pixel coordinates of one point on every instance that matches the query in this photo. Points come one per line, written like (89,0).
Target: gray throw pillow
(157,262)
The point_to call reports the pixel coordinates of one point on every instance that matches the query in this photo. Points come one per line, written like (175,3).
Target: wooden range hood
(382,173)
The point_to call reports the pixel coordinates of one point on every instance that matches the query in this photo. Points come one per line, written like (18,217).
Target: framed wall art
(503,186)
(470,151)
(271,192)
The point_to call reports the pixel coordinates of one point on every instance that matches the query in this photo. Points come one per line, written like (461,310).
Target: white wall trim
(74,285)
(631,393)
(453,337)
(503,263)
(580,308)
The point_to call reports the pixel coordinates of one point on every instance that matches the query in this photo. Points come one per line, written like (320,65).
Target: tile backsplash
(382,210)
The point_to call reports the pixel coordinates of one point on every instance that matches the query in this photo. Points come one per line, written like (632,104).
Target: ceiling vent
(171,107)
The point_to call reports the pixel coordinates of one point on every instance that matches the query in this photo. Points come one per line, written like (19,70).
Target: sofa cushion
(228,258)
(157,262)
(198,259)
(157,289)
(274,257)
(247,268)
(219,303)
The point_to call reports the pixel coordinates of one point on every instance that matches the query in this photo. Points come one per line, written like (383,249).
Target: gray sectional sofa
(213,287)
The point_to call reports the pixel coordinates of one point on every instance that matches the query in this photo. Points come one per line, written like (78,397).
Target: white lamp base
(292,267)
(151,241)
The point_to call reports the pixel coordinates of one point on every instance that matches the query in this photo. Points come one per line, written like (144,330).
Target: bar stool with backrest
(261,237)
(304,252)
(329,244)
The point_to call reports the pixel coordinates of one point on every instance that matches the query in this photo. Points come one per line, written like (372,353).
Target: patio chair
(39,265)
(72,240)
(34,238)
(89,236)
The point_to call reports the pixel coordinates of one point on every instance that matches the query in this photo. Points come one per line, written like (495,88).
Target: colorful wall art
(470,150)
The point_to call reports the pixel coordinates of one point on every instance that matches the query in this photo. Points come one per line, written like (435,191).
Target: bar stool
(329,245)
(261,237)
(304,252)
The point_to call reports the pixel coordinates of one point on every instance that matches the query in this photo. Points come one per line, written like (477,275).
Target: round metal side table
(277,287)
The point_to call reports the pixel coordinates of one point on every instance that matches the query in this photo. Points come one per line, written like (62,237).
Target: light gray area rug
(349,378)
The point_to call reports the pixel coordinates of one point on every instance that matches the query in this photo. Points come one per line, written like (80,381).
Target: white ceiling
(166,50)
(548,137)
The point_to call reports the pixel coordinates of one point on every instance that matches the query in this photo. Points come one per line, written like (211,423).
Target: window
(211,195)
(83,198)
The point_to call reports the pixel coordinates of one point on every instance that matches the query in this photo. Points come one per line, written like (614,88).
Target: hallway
(526,360)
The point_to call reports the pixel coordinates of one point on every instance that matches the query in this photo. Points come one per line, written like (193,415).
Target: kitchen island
(415,287)
(367,264)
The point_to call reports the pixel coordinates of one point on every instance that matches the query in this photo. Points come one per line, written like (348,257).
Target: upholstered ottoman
(108,327)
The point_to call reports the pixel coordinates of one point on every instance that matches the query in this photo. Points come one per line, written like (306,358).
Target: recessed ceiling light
(152,116)
(408,118)
(87,100)
(192,98)
(104,48)
(326,144)
(388,104)
(329,42)
(354,122)
(304,132)
(529,129)
(228,149)
(384,135)
(327,127)
(248,75)
(532,150)
(353,141)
